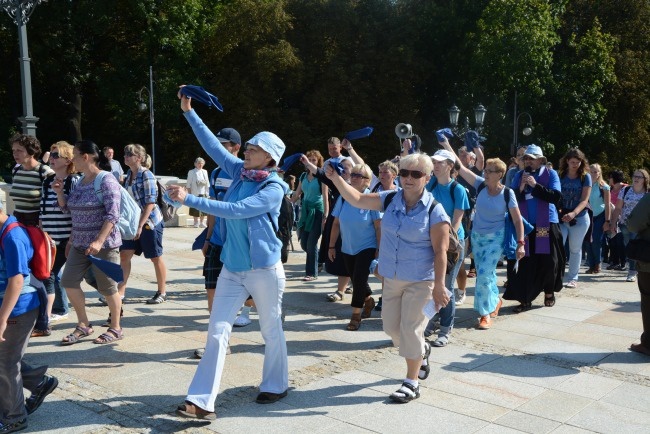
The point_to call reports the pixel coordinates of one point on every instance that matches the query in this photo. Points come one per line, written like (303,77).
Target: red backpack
(44,249)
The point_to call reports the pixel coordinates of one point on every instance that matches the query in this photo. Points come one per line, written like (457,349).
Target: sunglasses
(128,154)
(54,155)
(358,175)
(415,174)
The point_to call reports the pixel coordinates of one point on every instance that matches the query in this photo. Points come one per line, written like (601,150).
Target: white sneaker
(56,317)
(196,225)
(460,297)
(631,279)
(572,284)
(203,225)
(242,321)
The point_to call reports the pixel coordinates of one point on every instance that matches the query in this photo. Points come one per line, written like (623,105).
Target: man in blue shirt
(19,309)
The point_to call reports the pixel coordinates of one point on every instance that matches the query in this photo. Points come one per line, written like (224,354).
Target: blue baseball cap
(229,135)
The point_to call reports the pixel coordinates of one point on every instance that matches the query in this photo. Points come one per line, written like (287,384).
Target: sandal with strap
(471,273)
(191,411)
(425,369)
(406,393)
(335,296)
(549,301)
(37,333)
(110,336)
(355,322)
(78,333)
(368,306)
(522,307)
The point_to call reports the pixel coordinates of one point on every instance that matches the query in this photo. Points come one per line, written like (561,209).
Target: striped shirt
(53,220)
(26,188)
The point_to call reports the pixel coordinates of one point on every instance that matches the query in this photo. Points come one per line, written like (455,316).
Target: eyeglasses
(526,158)
(638,177)
(415,174)
(54,155)
(492,171)
(128,154)
(358,175)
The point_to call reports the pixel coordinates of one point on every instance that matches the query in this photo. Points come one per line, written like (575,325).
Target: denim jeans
(309,243)
(575,234)
(594,248)
(448,313)
(53,283)
(266,286)
(627,236)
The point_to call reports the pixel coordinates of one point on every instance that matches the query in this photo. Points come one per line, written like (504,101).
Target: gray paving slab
(564,369)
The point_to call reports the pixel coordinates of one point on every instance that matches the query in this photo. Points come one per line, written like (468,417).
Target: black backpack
(285,224)
(453,252)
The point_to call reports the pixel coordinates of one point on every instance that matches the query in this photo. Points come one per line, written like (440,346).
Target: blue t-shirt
(491,210)
(572,192)
(15,253)
(596,200)
(442,193)
(357,227)
(236,254)
(217,190)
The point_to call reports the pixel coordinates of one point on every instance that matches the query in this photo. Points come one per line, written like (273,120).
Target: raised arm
(467,174)
(356,158)
(355,198)
(480,158)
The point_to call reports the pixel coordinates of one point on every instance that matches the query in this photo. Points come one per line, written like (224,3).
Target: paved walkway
(564,369)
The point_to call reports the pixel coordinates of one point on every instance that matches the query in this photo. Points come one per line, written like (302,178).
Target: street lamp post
(20,11)
(142,106)
(527,131)
(479,118)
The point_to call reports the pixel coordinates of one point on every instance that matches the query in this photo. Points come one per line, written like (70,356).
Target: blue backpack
(129,208)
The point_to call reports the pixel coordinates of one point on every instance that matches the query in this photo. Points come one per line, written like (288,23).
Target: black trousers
(643,280)
(359,268)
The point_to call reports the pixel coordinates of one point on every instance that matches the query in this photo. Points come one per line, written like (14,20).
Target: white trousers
(266,285)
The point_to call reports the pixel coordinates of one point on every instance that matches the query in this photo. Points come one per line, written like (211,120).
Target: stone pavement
(564,369)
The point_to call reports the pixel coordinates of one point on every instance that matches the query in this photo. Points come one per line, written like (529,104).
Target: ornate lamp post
(527,131)
(142,106)
(479,118)
(20,11)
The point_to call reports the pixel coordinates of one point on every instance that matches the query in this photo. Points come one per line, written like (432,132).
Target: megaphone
(403,131)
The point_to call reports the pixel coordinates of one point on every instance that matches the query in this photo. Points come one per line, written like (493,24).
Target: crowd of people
(401,224)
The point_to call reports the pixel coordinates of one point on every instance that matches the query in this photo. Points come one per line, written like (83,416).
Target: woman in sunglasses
(412,261)
(58,225)
(359,230)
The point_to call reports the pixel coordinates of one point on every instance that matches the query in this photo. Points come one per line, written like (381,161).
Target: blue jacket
(264,244)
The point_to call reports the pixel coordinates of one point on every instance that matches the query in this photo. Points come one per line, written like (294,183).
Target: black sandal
(522,307)
(425,369)
(549,301)
(406,393)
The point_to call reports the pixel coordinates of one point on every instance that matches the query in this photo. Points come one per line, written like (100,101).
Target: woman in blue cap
(251,263)
(538,193)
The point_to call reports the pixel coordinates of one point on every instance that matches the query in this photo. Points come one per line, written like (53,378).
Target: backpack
(129,208)
(285,224)
(455,246)
(167,210)
(42,262)
(41,170)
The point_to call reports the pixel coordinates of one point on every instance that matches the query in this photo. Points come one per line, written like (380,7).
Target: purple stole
(543,226)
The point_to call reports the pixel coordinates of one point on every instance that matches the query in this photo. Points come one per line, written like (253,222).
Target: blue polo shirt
(15,253)
(357,227)
(405,252)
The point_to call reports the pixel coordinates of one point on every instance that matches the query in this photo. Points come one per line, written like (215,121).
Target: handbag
(638,250)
